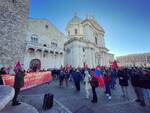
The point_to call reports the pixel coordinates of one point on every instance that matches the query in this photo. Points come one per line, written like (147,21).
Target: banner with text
(30,79)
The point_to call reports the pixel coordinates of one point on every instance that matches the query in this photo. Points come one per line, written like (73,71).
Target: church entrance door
(35,65)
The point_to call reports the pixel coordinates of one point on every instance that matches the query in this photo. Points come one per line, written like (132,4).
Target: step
(6,95)
(22,108)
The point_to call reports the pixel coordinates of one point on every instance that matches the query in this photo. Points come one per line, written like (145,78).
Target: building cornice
(84,41)
(98,29)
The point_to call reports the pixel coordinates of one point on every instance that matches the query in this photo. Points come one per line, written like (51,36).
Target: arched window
(45,45)
(46,26)
(31,50)
(76,31)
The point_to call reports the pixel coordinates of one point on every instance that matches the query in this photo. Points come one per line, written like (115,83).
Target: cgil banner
(30,80)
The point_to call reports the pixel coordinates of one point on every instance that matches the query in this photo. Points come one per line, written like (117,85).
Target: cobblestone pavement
(76,102)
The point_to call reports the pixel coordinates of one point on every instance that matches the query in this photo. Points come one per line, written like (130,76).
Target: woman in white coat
(87,79)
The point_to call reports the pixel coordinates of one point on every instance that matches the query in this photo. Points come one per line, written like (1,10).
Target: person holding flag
(94,85)
(99,77)
(96,81)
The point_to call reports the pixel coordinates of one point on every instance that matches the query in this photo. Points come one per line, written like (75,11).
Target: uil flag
(17,66)
(114,65)
(98,75)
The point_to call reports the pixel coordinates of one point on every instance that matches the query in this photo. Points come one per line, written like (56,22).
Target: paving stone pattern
(76,102)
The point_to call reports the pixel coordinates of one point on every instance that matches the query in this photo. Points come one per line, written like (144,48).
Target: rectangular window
(83,49)
(34,38)
(68,33)
(76,31)
(96,40)
(53,44)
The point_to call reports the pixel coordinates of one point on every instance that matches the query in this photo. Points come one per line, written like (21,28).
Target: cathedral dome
(74,21)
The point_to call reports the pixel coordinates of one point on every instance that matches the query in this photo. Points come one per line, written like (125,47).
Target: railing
(40,46)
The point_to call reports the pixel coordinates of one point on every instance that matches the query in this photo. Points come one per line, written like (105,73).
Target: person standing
(66,76)
(113,75)
(94,84)
(87,79)
(123,81)
(61,77)
(18,84)
(137,82)
(2,71)
(77,78)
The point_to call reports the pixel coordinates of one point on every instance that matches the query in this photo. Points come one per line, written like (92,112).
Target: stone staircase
(6,95)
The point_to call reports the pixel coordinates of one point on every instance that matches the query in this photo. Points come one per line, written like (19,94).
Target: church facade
(86,43)
(44,45)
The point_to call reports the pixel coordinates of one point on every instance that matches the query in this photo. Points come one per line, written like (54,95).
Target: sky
(126,22)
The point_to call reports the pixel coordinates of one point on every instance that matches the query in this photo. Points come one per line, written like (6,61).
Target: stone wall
(13,27)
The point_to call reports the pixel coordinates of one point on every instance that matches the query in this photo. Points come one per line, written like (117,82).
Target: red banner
(30,80)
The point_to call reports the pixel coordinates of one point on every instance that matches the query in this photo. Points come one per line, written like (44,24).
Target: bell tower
(13,30)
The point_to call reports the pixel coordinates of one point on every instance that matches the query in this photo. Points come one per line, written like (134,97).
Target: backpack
(48,101)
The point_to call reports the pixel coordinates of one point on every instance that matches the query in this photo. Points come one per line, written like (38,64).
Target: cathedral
(86,43)
(37,43)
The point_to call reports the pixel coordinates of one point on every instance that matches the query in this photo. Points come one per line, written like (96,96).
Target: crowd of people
(138,77)
(99,77)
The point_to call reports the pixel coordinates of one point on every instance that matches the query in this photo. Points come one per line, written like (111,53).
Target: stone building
(13,28)
(134,60)
(44,45)
(86,43)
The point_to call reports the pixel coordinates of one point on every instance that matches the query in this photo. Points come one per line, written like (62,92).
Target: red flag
(114,65)
(98,74)
(17,66)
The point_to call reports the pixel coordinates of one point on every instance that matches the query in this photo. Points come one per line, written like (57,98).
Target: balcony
(43,47)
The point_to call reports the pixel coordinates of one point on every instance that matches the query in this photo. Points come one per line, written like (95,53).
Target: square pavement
(75,102)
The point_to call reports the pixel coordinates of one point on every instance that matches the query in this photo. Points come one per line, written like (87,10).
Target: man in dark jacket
(76,77)
(136,77)
(19,83)
(2,71)
(94,85)
(61,77)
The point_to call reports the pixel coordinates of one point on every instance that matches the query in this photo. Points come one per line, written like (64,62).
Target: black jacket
(1,73)
(19,80)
